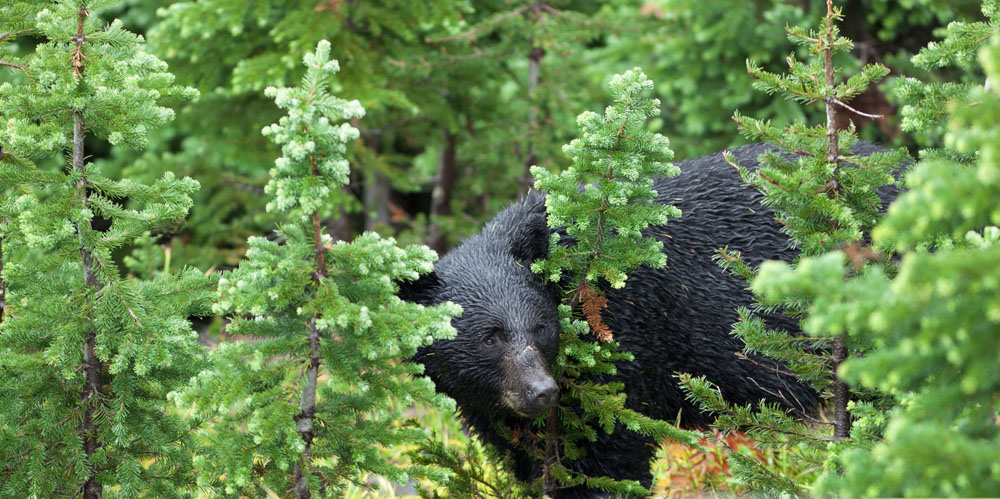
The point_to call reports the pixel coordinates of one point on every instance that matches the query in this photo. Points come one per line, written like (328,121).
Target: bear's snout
(530,388)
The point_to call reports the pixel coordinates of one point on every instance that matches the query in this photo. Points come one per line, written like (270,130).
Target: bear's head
(508,333)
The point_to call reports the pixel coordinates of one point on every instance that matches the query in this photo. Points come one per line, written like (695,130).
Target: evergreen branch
(803,411)
(12,65)
(471,34)
(15,33)
(586,22)
(769,136)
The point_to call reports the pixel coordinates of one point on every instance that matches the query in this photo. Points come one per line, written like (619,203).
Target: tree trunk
(307,404)
(304,421)
(91,364)
(534,70)
(376,201)
(340,226)
(841,393)
(444,186)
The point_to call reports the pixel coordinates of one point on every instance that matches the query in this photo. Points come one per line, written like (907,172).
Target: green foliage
(604,221)
(232,51)
(96,295)
(16,19)
(934,323)
(423,72)
(696,51)
(825,198)
(471,473)
(926,103)
(89,356)
(303,402)
(312,165)
(820,204)
(607,217)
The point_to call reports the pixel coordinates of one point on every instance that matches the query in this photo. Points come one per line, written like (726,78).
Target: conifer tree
(445,86)
(615,159)
(926,104)
(825,197)
(303,404)
(88,357)
(257,45)
(935,322)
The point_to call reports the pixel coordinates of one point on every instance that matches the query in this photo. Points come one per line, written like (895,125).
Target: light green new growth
(301,403)
(604,200)
(312,165)
(89,356)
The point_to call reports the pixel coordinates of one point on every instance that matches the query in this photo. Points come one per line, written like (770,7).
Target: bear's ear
(531,239)
(424,290)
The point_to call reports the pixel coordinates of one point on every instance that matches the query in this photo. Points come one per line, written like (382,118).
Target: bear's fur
(674,319)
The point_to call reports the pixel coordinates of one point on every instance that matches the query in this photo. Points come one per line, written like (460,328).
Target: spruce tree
(935,322)
(615,160)
(89,356)
(825,197)
(302,404)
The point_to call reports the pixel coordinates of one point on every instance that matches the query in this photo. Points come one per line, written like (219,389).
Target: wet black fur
(675,319)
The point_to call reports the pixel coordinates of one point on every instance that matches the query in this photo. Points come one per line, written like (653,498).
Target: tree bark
(441,197)
(376,201)
(841,393)
(92,489)
(551,453)
(833,148)
(534,75)
(307,404)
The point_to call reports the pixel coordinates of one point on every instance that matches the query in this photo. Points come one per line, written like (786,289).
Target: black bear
(674,319)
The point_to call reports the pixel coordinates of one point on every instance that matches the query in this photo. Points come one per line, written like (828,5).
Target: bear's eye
(489,341)
(539,330)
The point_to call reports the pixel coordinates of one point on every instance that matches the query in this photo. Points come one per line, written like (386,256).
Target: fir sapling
(89,356)
(304,403)
(604,200)
(934,322)
(828,193)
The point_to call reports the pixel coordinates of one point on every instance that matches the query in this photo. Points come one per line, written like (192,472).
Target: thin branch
(855,111)
(471,35)
(15,33)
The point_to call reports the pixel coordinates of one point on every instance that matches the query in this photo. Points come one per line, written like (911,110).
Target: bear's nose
(543,392)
